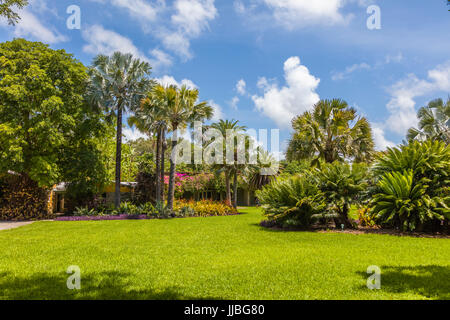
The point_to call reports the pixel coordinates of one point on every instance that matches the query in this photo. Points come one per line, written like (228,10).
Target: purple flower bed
(100,218)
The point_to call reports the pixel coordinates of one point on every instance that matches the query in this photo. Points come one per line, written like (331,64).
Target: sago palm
(117,84)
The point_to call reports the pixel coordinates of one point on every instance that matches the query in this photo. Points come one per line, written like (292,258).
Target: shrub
(203,208)
(342,185)
(293,201)
(405,204)
(85,211)
(413,190)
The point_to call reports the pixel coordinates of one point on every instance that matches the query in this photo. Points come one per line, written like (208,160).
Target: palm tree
(434,122)
(181,110)
(117,84)
(7,8)
(150,119)
(223,126)
(326,133)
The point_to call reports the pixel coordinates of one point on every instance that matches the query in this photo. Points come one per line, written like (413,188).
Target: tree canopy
(46,126)
(332,131)
(6,9)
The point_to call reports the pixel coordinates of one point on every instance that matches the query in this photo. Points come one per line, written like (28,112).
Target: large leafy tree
(225,126)
(181,108)
(7,11)
(332,131)
(118,83)
(434,122)
(45,123)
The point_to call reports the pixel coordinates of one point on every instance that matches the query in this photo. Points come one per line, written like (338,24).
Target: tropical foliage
(332,131)
(6,9)
(292,201)
(414,186)
(434,122)
(118,83)
(342,185)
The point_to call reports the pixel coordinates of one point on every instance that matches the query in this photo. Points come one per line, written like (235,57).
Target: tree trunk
(118,156)
(344,217)
(163,161)
(158,166)
(173,161)
(228,188)
(235,191)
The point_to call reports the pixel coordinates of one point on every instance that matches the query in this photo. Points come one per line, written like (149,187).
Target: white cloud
(145,11)
(299,94)
(401,107)
(30,26)
(218,114)
(131,134)
(160,59)
(169,81)
(234,103)
(403,94)
(349,70)
(191,18)
(177,42)
(381,143)
(241,87)
(293,14)
(102,41)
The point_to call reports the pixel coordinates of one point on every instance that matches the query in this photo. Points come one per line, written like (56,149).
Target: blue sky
(265,61)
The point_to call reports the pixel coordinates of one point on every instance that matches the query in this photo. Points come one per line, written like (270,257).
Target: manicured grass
(215,258)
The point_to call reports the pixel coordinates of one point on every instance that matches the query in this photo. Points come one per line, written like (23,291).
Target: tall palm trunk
(158,166)
(173,161)
(118,156)
(228,187)
(235,189)
(163,161)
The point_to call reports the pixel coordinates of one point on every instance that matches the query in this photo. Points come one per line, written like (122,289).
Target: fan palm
(434,122)
(150,119)
(326,133)
(180,109)
(224,126)
(117,84)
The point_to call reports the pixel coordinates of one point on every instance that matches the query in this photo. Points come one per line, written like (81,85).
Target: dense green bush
(293,201)
(413,191)
(342,185)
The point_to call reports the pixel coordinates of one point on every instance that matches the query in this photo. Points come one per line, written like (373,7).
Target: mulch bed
(360,230)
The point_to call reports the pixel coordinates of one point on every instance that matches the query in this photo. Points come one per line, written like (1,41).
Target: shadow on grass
(430,281)
(111,285)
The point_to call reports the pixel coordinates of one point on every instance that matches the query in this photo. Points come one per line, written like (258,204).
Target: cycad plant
(405,203)
(342,185)
(292,201)
(413,190)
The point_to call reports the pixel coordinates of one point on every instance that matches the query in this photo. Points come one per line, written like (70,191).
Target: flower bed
(106,217)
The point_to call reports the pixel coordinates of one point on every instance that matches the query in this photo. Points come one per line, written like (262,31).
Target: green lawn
(215,258)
